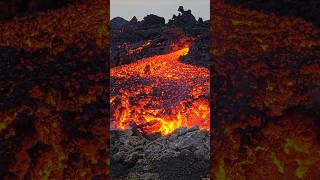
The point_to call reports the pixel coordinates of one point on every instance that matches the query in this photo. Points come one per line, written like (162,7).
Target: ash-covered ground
(184,153)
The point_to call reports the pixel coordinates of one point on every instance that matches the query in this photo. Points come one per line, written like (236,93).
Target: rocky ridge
(133,40)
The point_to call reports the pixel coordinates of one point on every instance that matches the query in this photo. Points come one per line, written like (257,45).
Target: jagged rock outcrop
(184,18)
(152,21)
(200,20)
(161,36)
(134,20)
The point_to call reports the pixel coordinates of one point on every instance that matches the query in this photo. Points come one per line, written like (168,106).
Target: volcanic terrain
(265,86)
(53,92)
(160,109)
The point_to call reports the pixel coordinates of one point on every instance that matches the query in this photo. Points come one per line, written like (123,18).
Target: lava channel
(160,94)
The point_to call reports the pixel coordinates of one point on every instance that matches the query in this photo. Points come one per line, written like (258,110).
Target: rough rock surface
(127,37)
(184,154)
(118,22)
(185,18)
(153,21)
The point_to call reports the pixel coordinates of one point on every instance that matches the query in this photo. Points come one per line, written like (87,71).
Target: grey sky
(164,8)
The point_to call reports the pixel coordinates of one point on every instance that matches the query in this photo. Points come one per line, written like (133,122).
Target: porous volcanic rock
(184,154)
(128,39)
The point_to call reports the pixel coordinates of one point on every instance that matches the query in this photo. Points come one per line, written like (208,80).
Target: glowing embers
(160,94)
(140,48)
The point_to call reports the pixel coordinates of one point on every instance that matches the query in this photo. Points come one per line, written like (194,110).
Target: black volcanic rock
(200,20)
(151,36)
(184,154)
(185,18)
(153,21)
(186,150)
(134,20)
(118,23)
(181,9)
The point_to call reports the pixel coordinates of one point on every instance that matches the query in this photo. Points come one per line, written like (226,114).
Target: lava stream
(160,94)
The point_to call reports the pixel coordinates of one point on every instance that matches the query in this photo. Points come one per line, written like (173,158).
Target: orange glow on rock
(161,94)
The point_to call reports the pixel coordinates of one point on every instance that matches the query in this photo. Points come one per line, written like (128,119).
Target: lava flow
(160,94)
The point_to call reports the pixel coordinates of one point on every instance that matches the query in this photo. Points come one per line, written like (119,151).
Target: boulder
(181,9)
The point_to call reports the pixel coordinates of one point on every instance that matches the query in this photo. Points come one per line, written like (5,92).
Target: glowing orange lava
(161,94)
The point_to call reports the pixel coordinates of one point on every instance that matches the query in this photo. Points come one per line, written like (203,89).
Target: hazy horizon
(163,8)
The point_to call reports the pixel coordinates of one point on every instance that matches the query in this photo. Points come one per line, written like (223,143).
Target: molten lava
(160,94)
(266,76)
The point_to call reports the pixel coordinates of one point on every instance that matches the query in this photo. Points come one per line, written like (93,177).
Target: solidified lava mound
(184,154)
(265,85)
(53,93)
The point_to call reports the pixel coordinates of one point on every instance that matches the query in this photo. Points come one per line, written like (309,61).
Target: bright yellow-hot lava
(161,94)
